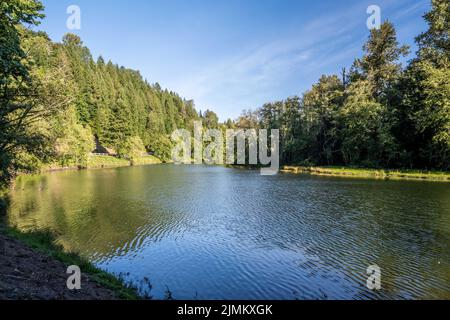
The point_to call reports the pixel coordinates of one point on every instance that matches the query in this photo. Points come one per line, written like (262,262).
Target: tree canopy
(55,98)
(381,114)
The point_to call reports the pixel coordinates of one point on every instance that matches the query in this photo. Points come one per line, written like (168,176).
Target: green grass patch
(104,161)
(95,161)
(146,160)
(370,173)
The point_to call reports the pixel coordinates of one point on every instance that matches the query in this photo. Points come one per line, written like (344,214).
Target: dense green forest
(55,98)
(377,114)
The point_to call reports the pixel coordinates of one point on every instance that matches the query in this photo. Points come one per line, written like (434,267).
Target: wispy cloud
(254,74)
(249,76)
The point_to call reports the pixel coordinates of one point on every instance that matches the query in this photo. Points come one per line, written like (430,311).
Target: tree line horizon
(54,98)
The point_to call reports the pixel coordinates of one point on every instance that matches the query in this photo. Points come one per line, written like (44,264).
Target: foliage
(162,147)
(44,242)
(74,141)
(54,98)
(365,135)
(18,98)
(378,115)
(131,148)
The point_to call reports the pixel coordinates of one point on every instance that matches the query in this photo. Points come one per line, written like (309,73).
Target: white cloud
(255,73)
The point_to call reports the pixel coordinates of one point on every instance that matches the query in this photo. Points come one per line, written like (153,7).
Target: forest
(378,114)
(56,100)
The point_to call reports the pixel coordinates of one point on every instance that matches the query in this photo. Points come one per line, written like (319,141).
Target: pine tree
(380,65)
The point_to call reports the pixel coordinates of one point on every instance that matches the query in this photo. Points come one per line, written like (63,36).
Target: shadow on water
(45,242)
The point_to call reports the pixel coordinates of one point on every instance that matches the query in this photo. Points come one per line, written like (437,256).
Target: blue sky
(230,55)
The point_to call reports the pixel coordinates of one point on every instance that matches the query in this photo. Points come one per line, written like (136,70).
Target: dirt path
(26,274)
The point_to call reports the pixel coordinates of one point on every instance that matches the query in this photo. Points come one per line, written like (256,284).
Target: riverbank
(33,267)
(385,174)
(104,161)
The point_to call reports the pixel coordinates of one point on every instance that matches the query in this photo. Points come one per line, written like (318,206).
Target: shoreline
(109,162)
(379,174)
(103,162)
(34,267)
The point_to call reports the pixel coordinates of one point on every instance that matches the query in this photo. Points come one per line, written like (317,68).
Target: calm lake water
(218,233)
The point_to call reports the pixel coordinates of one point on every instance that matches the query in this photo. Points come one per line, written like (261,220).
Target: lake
(209,232)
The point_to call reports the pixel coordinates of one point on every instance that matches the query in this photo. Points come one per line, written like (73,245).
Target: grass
(146,160)
(370,173)
(95,161)
(104,161)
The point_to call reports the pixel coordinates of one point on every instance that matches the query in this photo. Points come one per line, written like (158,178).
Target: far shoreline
(97,162)
(376,174)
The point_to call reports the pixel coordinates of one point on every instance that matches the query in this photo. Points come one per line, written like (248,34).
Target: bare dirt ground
(30,275)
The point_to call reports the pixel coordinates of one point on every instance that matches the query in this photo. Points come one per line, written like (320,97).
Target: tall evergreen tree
(380,63)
